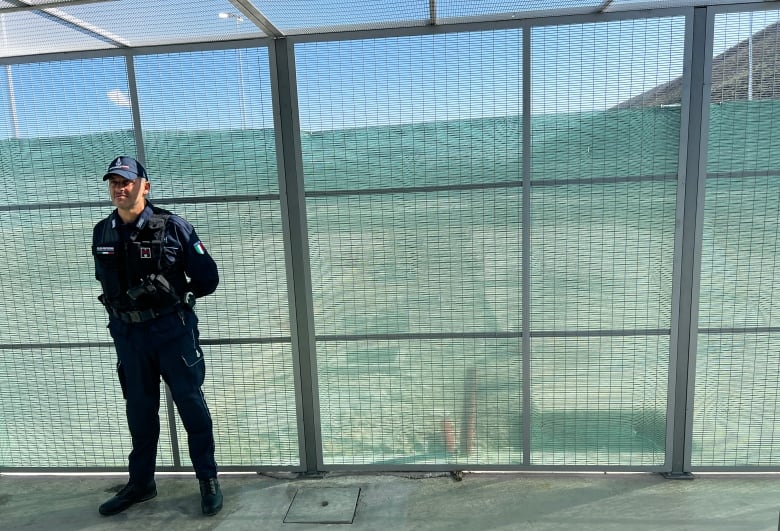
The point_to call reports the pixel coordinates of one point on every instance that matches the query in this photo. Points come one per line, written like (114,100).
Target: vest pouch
(144,257)
(154,291)
(143,260)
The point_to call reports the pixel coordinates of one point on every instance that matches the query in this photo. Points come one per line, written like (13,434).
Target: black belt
(141,316)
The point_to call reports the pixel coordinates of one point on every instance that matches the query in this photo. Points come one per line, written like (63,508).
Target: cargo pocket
(193,360)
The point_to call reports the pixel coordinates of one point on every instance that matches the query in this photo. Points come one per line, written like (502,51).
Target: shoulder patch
(199,247)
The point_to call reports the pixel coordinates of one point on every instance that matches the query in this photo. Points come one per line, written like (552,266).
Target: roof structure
(33,27)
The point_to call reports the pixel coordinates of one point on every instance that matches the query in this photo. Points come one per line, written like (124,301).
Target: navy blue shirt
(183,252)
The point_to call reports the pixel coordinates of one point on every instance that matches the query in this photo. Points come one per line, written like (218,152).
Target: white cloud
(118,98)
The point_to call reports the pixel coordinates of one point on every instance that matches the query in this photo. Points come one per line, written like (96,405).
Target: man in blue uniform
(152,266)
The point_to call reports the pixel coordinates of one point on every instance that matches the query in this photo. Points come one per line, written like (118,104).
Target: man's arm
(197,263)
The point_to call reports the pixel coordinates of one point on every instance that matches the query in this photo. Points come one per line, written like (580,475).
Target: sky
(343,84)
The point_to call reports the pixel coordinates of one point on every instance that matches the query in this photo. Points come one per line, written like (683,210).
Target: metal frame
(693,153)
(51,11)
(712,12)
(526,26)
(687,254)
(290,163)
(526,248)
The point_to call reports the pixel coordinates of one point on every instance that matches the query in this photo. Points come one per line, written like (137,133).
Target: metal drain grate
(327,505)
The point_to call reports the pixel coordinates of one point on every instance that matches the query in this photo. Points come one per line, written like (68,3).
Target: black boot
(130,494)
(210,496)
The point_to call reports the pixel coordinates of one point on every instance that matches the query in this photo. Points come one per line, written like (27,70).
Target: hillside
(729,74)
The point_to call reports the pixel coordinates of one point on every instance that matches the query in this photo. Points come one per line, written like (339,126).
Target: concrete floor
(479,502)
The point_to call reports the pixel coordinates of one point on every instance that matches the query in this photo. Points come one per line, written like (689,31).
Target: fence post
(293,208)
(693,160)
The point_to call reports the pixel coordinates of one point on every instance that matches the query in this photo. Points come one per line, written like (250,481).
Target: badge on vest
(146,252)
(104,250)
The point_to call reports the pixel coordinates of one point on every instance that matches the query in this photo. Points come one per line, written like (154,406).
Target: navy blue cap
(126,167)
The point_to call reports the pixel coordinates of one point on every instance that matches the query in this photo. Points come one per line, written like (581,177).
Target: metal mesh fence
(415,242)
(57,359)
(483,294)
(416,238)
(603,203)
(735,414)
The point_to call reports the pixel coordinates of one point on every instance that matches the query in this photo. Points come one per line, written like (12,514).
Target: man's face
(128,194)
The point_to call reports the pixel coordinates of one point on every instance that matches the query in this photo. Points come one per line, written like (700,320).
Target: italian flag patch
(199,247)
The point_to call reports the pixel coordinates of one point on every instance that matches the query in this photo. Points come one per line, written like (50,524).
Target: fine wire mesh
(735,410)
(307,16)
(208,115)
(50,292)
(217,160)
(78,119)
(8,120)
(416,263)
(603,206)
(26,33)
(98,25)
(479,8)
(418,395)
(414,235)
(149,22)
(211,158)
(250,392)
(56,364)
(420,401)
(63,409)
(249,388)
(114,24)
(599,400)
(736,405)
(622,5)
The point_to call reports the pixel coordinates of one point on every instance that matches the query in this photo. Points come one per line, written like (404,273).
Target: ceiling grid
(39,27)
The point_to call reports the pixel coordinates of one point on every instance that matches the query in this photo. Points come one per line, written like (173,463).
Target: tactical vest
(123,265)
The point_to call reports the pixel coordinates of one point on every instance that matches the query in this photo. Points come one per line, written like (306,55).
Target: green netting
(599,400)
(60,404)
(415,210)
(737,404)
(603,256)
(743,137)
(446,262)
(611,144)
(416,239)
(420,401)
(61,408)
(735,416)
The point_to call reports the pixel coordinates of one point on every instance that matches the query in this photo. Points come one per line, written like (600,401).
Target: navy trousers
(167,348)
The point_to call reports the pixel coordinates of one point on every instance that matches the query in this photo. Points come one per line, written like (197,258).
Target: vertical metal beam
(293,206)
(172,427)
(693,160)
(10,80)
(135,109)
(140,154)
(526,246)
(12,100)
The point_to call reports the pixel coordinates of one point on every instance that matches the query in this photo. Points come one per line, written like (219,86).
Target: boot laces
(209,486)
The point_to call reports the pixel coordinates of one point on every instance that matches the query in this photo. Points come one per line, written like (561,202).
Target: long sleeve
(197,263)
